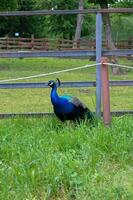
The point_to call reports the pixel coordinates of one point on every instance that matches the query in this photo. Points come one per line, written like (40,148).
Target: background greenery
(64,25)
(38,100)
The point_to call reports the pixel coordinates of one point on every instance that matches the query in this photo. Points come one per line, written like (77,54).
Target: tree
(79,24)
(7,24)
(27,25)
(107,24)
(8,5)
(108,35)
(64,25)
(123,3)
(58,25)
(108,32)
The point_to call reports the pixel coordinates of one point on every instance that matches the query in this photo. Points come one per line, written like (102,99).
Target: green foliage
(27,25)
(24,25)
(59,25)
(46,159)
(126,22)
(116,3)
(103,3)
(55,25)
(8,5)
(124,4)
(7,24)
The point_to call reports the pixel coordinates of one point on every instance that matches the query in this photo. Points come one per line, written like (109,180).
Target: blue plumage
(68,107)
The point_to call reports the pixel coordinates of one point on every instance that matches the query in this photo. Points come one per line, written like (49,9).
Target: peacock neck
(54,95)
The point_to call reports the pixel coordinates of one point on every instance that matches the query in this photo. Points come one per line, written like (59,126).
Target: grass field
(37,100)
(44,159)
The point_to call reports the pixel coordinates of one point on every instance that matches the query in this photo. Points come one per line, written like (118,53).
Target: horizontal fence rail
(44,114)
(67,53)
(19,43)
(63,84)
(45,85)
(66,12)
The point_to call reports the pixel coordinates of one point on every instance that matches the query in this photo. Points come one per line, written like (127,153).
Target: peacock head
(52,83)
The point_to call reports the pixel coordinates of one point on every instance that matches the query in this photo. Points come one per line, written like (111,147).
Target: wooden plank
(121,83)
(83,44)
(117,52)
(16,47)
(43,47)
(66,12)
(31,114)
(22,54)
(43,114)
(45,85)
(19,38)
(63,84)
(64,53)
(121,113)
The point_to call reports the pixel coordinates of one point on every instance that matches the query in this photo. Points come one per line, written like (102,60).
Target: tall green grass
(45,159)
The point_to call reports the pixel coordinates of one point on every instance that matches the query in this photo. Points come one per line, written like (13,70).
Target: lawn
(44,159)
(37,100)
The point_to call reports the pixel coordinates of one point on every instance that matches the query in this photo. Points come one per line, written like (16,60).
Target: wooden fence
(19,43)
(46,48)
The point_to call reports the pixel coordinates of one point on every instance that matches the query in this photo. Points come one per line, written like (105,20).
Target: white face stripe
(51,83)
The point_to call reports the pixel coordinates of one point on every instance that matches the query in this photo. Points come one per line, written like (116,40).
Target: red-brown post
(32,41)
(105,92)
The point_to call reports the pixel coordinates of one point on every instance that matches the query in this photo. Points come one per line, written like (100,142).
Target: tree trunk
(76,42)
(108,36)
(109,41)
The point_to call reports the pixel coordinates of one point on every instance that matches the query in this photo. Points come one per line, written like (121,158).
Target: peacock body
(68,107)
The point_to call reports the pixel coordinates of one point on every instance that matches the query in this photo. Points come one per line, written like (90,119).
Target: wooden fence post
(7,41)
(78,44)
(32,41)
(105,92)
(59,44)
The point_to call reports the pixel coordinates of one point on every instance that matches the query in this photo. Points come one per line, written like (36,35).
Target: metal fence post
(98,60)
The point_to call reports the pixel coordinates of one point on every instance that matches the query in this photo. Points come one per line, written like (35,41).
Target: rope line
(65,70)
(50,73)
(117,65)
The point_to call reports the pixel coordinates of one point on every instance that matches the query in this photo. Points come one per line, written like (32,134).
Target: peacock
(68,107)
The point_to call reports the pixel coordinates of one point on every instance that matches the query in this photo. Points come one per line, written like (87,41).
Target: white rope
(65,70)
(50,73)
(123,66)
